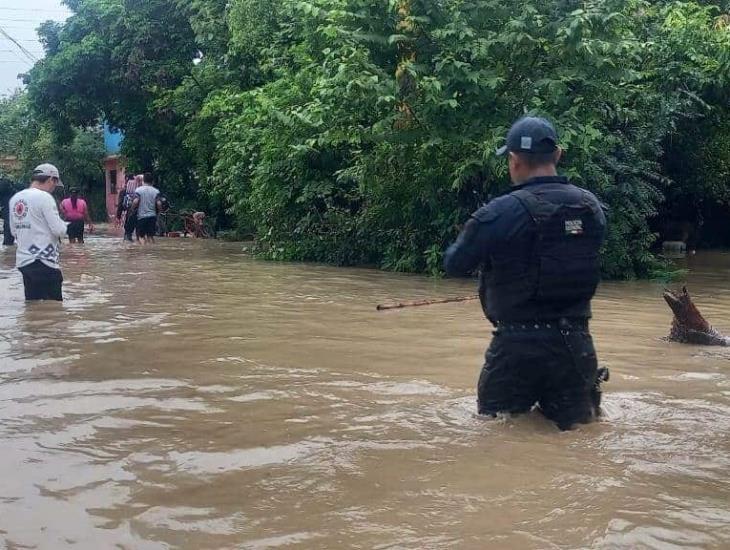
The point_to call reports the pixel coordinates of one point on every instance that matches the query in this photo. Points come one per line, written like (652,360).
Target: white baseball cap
(48,170)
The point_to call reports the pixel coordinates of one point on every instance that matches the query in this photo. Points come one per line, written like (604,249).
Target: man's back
(147,201)
(37,227)
(538,248)
(504,239)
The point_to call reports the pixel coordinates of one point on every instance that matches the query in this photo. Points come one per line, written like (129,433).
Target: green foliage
(24,136)
(374,140)
(117,60)
(233,235)
(668,274)
(363,131)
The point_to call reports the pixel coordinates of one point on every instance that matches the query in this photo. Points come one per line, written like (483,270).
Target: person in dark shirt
(7,190)
(162,213)
(538,251)
(124,207)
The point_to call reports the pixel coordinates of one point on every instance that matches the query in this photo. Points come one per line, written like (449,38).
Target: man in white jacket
(38,228)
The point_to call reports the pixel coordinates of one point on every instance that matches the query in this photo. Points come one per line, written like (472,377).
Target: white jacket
(35,223)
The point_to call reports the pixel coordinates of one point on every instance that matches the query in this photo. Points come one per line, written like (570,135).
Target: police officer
(538,250)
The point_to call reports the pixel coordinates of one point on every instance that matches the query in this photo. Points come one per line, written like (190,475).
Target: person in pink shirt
(75,210)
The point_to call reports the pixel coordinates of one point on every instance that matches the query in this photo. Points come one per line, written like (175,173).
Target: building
(114,168)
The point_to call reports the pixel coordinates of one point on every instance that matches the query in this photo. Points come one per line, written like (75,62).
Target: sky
(20,18)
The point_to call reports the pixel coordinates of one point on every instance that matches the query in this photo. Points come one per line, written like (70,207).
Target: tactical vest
(559,276)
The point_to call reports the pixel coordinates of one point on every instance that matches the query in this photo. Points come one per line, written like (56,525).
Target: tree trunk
(689,326)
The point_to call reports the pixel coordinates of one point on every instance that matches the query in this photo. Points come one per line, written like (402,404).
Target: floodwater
(187,396)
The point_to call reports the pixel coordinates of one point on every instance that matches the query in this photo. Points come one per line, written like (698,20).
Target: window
(113,182)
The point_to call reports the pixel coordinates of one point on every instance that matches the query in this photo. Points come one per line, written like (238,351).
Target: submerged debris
(689,326)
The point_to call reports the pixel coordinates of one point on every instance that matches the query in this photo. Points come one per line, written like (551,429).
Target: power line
(21,59)
(35,52)
(30,28)
(35,10)
(25,20)
(20,46)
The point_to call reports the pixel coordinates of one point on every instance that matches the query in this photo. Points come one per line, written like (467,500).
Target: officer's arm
(467,252)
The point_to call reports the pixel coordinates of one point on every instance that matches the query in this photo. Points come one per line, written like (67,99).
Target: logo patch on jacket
(573,227)
(21,209)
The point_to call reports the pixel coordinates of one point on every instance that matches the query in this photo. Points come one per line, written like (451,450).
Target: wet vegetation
(363,131)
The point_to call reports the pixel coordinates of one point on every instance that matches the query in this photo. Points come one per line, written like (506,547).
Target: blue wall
(112,140)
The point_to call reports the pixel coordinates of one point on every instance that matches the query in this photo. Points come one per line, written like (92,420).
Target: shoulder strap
(591,201)
(528,200)
(538,209)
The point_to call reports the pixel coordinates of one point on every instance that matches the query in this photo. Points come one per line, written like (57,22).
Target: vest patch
(573,227)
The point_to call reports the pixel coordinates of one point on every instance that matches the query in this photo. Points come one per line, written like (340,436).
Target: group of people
(33,219)
(138,207)
(72,209)
(536,249)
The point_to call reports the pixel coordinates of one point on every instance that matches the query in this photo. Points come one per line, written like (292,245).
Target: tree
(375,139)
(363,131)
(25,136)
(114,61)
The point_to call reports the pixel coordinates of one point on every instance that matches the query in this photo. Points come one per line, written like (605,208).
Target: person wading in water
(75,211)
(7,190)
(124,208)
(38,229)
(538,249)
(146,205)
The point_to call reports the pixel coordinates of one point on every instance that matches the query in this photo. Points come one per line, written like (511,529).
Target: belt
(563,324)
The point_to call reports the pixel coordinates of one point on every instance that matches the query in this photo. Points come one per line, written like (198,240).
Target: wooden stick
(417,303)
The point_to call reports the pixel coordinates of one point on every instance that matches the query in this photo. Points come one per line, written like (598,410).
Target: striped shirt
(129,191)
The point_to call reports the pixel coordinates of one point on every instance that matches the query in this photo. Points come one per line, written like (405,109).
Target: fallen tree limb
(418,303)
(688,325)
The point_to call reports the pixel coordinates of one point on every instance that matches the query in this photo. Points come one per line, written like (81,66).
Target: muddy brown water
(187,396)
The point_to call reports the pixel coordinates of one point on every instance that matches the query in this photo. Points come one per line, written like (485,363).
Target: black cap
(530,135)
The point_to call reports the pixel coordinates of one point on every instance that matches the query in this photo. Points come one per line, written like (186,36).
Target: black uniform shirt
(504,228)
